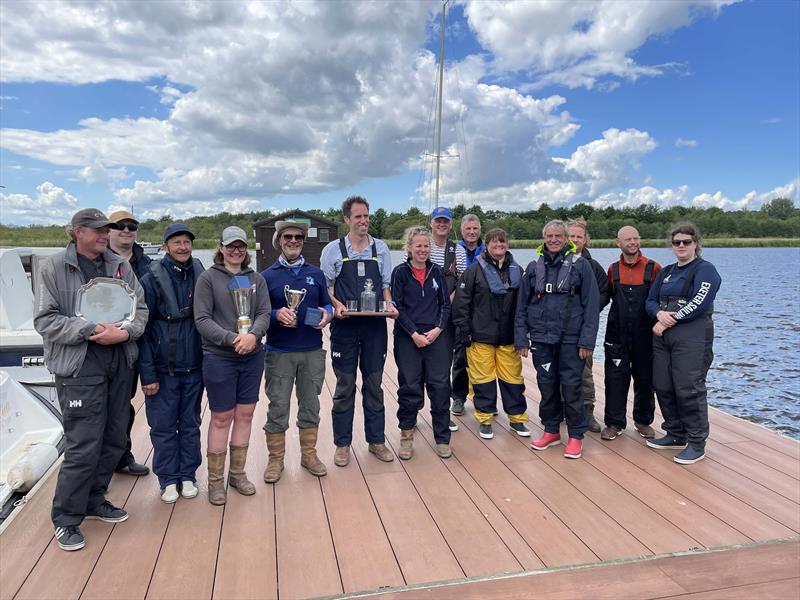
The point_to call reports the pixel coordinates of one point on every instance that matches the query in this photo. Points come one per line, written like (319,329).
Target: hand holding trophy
(293,300)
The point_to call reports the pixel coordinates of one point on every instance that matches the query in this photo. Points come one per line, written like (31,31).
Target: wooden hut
(320,232)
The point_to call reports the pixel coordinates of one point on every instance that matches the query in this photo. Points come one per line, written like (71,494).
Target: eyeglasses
(298,237)
(687,243)
(236,248)
(128,226)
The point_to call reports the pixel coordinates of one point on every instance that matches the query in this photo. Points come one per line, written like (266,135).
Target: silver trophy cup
(242,298)
(293,300)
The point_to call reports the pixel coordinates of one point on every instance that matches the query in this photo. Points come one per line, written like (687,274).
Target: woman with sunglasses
(233,359)
(682,301)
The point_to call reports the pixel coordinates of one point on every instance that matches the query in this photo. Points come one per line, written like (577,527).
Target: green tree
(780,208)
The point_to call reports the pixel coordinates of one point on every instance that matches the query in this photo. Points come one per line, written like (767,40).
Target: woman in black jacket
(421,353)
(483,313)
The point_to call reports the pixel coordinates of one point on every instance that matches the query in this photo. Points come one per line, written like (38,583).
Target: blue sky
(186,108)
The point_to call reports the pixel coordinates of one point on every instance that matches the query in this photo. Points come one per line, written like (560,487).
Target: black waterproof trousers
(420,369)
(558,376)
(632,359)
(681,359)
(358,343)
(95,408)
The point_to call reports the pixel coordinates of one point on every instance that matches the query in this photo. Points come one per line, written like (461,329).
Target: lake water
(755,373)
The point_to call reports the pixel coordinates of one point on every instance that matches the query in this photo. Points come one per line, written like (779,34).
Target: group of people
(465,315)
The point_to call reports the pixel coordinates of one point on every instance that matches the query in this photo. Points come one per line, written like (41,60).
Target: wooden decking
(495,520)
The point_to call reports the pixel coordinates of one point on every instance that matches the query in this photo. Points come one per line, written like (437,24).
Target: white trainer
(169,494)
(188,489)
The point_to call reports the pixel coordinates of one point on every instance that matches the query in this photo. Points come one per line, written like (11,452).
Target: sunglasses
(128,226)
(298,237)
(236,248)
(677,243)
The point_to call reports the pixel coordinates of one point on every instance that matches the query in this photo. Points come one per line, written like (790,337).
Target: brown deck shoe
(611,432)
(382,452)
(342,456)
(645,431)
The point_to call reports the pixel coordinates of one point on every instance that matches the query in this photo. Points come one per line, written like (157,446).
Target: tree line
(778,218)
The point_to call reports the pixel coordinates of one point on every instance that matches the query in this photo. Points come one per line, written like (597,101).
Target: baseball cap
(92,218)
(442,212)
(177,228)
(232,234)
(122,215)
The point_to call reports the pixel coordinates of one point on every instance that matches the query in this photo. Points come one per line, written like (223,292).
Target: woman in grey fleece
(233,363)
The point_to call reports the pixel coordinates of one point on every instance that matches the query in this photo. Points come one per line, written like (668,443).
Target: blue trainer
(689,456)
(667,442)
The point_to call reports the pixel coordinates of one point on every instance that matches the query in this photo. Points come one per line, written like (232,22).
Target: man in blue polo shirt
(294,358)
(358,341)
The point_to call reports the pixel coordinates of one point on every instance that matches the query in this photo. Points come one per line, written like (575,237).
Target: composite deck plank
(26,539)
(744,566)
(422,552)
(307,564)
(694,522)
(751,468)
(464,525)
(129,558)
(778,461)
(724,506)
(548,480)
(785,588)
(768,571)
(247,561)
(461,522)
(188,557)
(552,541)
(757,433)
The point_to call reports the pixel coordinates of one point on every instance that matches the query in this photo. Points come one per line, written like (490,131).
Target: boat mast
(439,108)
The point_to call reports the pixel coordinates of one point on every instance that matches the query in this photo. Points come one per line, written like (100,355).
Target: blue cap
(177,228)
(442,212)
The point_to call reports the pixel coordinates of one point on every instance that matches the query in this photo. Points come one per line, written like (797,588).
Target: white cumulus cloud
(52,205)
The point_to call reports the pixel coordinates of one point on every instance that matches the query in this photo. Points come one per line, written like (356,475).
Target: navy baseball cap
(442,212)
(177,228)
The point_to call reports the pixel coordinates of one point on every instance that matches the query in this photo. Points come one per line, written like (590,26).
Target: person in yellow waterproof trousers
(483,313)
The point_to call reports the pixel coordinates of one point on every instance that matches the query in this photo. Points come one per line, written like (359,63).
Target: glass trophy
(368,300)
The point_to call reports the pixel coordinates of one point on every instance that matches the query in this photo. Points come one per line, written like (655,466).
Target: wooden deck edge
(567,568)
(27,497)
(756,423)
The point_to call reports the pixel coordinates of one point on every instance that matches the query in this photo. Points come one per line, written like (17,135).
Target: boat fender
(31,466)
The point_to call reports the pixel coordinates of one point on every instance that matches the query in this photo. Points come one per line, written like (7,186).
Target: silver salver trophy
(242,297)
(293,300)
(106,300)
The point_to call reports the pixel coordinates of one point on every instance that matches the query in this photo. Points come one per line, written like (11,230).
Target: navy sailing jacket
(171,343)
(570,314)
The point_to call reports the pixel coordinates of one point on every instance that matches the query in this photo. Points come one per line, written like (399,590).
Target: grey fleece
(66,337)
(215,313)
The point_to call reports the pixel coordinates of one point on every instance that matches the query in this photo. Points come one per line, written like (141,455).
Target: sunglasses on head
(677,243)
(298,237)
(128,226)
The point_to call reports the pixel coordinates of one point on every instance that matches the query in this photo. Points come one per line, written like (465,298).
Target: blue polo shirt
(303,337)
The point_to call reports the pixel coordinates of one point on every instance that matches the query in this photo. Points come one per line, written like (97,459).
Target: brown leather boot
(276,444)
(406,444)
(216,477)
(381,451)
(237,478)
(308,452)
